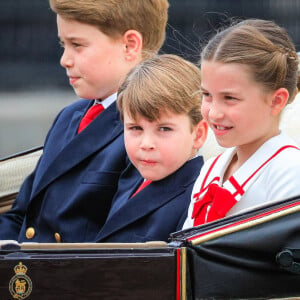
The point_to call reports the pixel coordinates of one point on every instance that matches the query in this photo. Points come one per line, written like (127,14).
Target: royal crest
(20,285)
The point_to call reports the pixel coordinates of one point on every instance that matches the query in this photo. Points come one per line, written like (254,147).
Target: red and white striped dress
(271,174)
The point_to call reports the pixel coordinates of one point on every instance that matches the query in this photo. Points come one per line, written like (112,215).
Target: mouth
(72,79)
(220,129)
(148,162)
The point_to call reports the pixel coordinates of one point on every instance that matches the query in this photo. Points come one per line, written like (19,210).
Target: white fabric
(277,180)
(290,120)
(107,101)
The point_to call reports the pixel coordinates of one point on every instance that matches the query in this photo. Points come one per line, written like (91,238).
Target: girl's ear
(279,100)
(133,45)
(201,130)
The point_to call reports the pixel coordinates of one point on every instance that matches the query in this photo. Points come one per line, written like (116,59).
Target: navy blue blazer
(153,213)
(71,189)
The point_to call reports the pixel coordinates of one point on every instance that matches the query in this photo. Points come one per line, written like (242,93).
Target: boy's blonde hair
(115,17)
(161,84)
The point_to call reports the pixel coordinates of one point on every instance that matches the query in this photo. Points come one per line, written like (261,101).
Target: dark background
(29,52)
(34,87)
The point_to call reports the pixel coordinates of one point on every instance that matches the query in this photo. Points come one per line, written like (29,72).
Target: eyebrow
(72,38)
(167,124)
(223,92)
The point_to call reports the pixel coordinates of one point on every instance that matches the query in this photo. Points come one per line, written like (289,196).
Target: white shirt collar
(107,101)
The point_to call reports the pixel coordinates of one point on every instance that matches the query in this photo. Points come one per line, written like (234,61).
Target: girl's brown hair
(264,47)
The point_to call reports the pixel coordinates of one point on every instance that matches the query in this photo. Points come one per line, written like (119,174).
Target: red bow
(214,205)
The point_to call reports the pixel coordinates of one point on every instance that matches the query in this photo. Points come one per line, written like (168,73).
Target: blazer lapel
(89,141)
(152,197)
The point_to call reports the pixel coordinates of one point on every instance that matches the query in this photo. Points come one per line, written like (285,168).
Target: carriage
(252,255)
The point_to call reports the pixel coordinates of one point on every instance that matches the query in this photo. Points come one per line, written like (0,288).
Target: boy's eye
(134,128)
(164,128)
(76,45)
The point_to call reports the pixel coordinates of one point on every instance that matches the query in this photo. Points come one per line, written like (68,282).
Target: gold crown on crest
(20,268)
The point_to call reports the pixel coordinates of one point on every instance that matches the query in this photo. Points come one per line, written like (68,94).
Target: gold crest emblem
(20,285)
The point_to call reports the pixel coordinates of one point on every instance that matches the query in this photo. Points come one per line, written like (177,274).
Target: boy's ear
(279,100)
(133,44)
(201,131)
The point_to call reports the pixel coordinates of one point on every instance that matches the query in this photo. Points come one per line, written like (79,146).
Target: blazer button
(30,232)
(57,237)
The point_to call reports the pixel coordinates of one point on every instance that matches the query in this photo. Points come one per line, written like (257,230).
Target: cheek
(130,144)
(204,110)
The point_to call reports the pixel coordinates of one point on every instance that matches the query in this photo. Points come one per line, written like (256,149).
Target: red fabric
(143,185)
(90,115)
(220,201)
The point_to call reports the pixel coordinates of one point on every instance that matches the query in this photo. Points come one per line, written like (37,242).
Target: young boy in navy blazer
(159,103)
(69,194)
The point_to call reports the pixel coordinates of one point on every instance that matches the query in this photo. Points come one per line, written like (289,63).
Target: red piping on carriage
(178,283)
(246,220)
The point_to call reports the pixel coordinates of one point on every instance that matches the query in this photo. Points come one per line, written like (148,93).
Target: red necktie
(90,115)
(143,185)
(220,201)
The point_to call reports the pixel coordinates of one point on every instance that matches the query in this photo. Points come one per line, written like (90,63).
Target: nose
(215,111)
(66,60)
(147,142)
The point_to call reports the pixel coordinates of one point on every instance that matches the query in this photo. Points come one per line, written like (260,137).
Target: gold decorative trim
(246,225)
(20,285)
(183,273)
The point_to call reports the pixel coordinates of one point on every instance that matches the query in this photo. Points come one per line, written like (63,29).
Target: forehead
(69,29)
(164,116)
(221,75)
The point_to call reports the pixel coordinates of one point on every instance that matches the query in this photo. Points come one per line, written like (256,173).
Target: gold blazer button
(30,232)
(57,237)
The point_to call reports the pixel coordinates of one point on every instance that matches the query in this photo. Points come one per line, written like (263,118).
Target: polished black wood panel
(94,274)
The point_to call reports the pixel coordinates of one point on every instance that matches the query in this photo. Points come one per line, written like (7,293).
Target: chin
(224,144)
(151,176)
(81,93)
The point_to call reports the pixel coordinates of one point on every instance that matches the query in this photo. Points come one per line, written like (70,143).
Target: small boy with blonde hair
(159,103)
(68,196)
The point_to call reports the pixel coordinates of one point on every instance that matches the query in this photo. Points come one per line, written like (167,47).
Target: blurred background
(33,86)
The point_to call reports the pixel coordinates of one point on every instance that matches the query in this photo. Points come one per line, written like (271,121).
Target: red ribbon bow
(214,205)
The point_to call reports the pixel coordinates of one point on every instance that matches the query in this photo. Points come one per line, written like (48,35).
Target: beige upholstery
(13,171)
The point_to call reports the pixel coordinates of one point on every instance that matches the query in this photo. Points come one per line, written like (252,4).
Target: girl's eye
(205,94)
(230,98)
(206,97)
